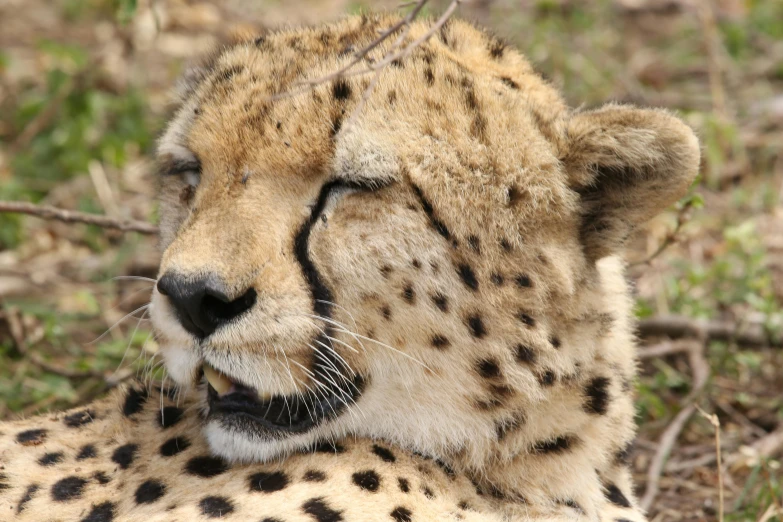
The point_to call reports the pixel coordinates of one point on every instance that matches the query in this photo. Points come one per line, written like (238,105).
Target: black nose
(201,303)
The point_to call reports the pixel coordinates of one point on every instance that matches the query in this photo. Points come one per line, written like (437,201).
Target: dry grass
(83,91)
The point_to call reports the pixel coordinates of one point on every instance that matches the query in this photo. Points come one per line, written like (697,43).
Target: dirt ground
(83,93)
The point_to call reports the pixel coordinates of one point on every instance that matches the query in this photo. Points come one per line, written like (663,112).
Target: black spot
(320,511)
(441,301)
(408,294)
(497,279)
(169,416)
(505,245)
(448,470)
(4,481)
(416,264)
(525,318)
(268,482)
(124,455)
(150,491)
(427,492)
(509,82)
(474,244)
(328,447)
(50,459)
(476,326)
(101,477)
(429,76)
(503,427)
(468,276)
(206,466)
(80,418)
(385,454)
(31,437)
(616,497)
(398,63)
(27,497)
(525,354)
(463,505)
(313,475)
(88,451)
(572,504)
(404,485)
(427,206)
(103,512)
(401,514)
(597,396)
(173,446)
(386,270)
(557,445)
(488,368)
(215,507)
(68,488)
(271,519)
(134,402)
(555,342)
(386,312)
(341,90)
(439,342)
(547,378)
(523,281)
(497,48)
(368,480)
(513,195)
(623,456)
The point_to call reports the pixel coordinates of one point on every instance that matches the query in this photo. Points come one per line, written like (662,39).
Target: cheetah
(381,298)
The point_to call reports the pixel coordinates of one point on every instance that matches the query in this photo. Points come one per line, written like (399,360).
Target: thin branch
(678,327)
(73,216)
(713,419)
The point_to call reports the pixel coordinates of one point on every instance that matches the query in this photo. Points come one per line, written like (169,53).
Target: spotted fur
(436,263)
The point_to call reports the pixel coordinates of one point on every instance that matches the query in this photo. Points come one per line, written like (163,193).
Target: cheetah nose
(201,303)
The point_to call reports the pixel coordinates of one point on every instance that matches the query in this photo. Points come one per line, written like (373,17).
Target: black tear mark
(616,497)
(341,90)
(556,445)
(69,488)
(206,466)
(437,224)
(215,507)
(367,480)
(320,511)
(476,326)
(268,482)
(597,396)
(468,276)
(124,455)
(80,418)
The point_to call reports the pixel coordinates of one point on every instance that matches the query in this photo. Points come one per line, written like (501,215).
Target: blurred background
(83,94)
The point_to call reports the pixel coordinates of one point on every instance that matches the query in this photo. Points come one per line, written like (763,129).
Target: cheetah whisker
(143,307)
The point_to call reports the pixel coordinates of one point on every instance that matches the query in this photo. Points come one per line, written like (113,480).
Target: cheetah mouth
(240,407)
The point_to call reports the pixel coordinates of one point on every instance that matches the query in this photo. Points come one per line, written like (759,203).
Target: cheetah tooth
(220,382)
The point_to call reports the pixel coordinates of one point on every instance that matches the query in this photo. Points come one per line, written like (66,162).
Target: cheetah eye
(188,170)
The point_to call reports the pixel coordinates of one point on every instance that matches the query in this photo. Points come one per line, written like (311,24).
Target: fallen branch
(700,370)
(678,327)
(73,216)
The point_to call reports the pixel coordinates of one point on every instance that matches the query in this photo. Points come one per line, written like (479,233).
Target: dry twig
(73,216)
(678,327)
(683,217)
(713,419)
(701,370)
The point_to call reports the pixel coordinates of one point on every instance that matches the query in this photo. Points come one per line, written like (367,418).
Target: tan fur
(472,291)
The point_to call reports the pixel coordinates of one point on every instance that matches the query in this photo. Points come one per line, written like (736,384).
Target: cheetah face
(417,265)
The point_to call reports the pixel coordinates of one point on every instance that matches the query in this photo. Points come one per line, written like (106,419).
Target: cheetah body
(422,261)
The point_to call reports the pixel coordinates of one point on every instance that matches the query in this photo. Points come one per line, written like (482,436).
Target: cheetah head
(416,261)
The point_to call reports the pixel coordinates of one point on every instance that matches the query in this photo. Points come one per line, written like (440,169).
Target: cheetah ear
(627,164)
